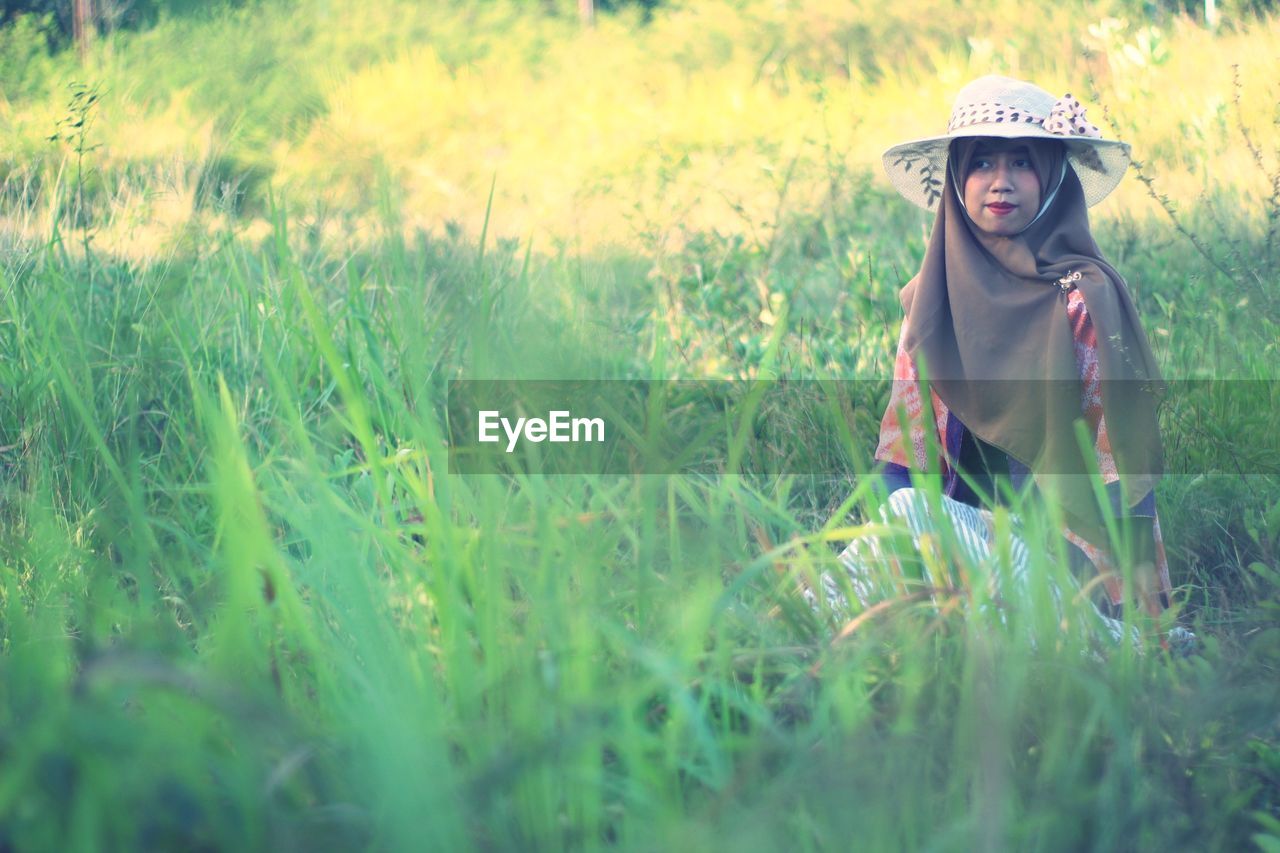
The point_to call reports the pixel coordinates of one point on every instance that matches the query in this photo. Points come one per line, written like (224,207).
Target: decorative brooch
(1068,282)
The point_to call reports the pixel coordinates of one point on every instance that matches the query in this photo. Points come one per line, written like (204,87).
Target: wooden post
(587,12)
(81,25)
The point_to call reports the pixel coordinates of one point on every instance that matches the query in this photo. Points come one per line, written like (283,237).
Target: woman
(1022,330)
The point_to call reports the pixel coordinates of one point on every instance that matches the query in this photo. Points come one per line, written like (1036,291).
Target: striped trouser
(875,564)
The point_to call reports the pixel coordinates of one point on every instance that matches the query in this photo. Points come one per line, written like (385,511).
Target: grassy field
(245,605)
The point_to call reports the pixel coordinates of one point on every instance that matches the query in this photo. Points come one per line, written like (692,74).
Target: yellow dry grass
(712,117)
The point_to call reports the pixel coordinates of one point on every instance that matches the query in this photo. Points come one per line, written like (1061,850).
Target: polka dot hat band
(1010,109)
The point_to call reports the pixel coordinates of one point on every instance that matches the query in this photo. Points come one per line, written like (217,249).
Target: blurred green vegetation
(243,605)
(707,118)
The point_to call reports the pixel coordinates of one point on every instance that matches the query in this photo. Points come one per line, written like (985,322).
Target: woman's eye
(1022,163)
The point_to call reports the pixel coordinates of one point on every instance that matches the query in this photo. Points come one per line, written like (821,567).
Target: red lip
(1001,208)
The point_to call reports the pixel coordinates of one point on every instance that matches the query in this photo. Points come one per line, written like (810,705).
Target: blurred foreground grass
(244,605)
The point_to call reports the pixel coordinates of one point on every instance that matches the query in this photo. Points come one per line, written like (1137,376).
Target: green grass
(709,118)
(244,605)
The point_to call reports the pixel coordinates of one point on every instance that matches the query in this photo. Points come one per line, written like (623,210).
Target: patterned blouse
(900,452)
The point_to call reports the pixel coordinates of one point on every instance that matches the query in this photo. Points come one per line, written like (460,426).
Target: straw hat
(1008,108)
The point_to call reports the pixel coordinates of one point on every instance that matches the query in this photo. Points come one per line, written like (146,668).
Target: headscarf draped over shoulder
(986,320)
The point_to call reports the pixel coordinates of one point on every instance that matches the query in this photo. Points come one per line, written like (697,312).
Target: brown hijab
(986,318)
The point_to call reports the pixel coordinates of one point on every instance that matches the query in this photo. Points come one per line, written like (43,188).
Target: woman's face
(1002,189)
